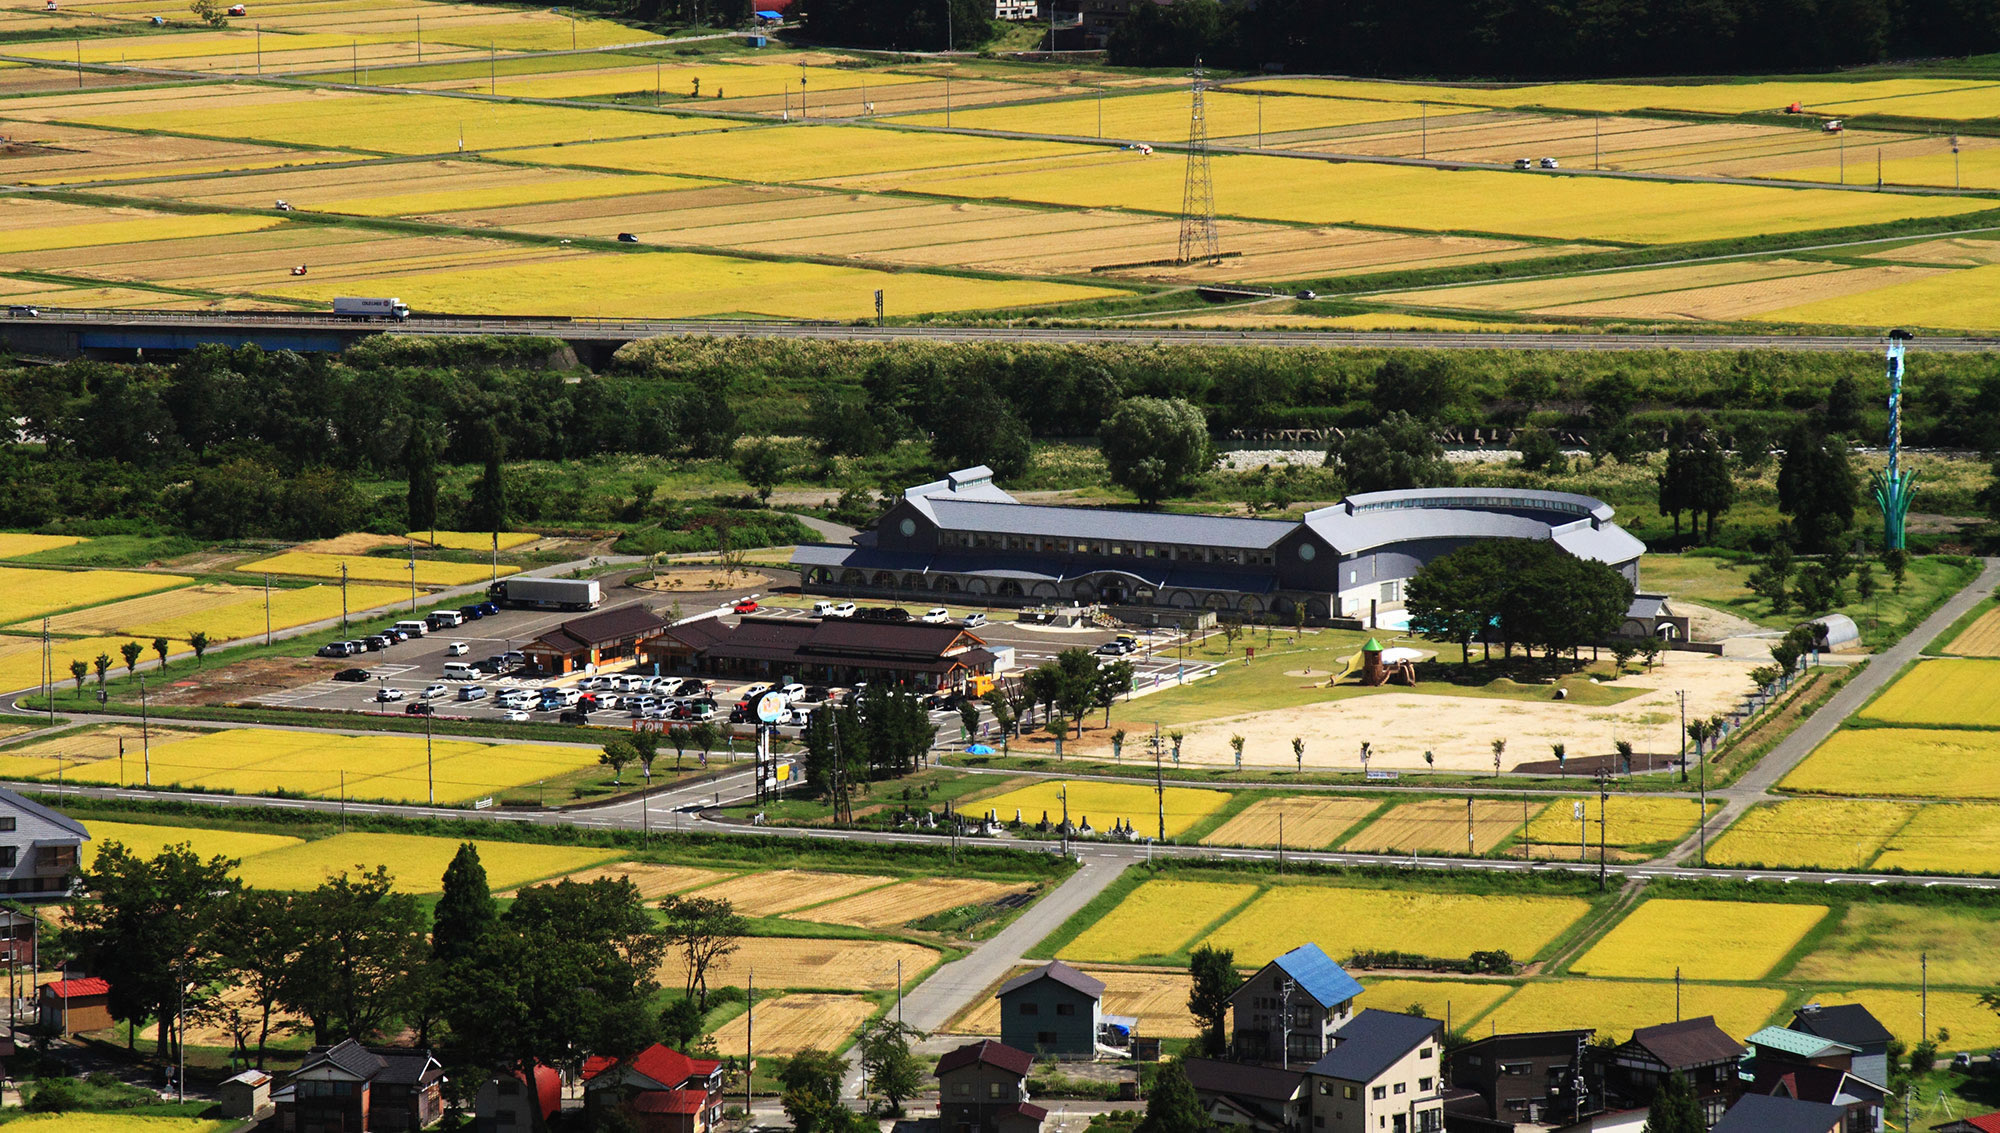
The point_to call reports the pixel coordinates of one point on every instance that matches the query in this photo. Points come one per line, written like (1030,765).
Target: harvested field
(1159,918)
(223,612)
(908,901)
(1444,826)
(409,188)
(1161,116)
(1345,920)
(1307,822)
(1157,997)
(792,1023)
(794,962)
(1703,940)
(1744,300)
(477,540)
(26,593)
(1980,639)
(418,863)
(1935,763)
(1946,838)
(782,890)
(750,81)
(21,658)
(366,568)
(652,879)
(789,154)
(1941,693)
(1545,294)
(14,544)
(1811,834)
(1108,802)
(54,153)
(1952,300)
(352,543)
(1881,943)
(146,840)
(1615,1008)
(99,742)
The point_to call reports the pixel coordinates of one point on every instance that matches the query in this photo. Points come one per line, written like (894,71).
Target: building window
(1402,1087)
(1379,1092)
(962,1089)
(7,823)
(1392,591)
(1350,1092)
(1031,1008)
(1424,1085)
(1065,1008)
(1045,1038)
(9,855)
(1427,1052)
(993,1089)
(1517,1069)
(1430,1121)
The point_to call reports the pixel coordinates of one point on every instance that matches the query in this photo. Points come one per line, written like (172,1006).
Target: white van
(460,671)
(414,629)
(457,649)
(446,619)
(823,609)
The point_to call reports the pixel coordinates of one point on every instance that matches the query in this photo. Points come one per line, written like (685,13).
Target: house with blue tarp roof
(1288,1011)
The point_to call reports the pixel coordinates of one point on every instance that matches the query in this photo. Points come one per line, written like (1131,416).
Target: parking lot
(404,670)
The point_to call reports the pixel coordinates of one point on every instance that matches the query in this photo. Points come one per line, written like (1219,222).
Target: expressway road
(625,330)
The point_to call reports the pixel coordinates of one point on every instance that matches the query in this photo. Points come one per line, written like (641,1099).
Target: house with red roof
(659,1090)
(515,1103)
(72,1006)
(983,1088)
(1984,1123)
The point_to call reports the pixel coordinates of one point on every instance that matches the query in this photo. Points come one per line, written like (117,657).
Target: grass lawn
(1722,583)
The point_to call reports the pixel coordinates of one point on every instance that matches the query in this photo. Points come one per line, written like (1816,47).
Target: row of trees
(1517,38)
(1526,592)
(566,971)
(884,733)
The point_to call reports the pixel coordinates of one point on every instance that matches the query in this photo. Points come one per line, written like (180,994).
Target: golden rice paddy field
(1967,98)
(1103,803)
(1980,639)
(1159,918)
(792,1023)
(118,1123)
(1946,838)
(1962,300)
(1344,920)
(1811,834)
(26,593)
(14,544)
(1569,295)
(147,840)
(1904,1012)
(1617,1007)
(1948,693)
(21,658)
(1934,763)
(1629,820)
(1300,821)
(722,85)
(223,612)
(1439,826)
(417,862)
(255,761)
(476,540)
(1701,940)
(368,568)
(1162,116)
(798,153)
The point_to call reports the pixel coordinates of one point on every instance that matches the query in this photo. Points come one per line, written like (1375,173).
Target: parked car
(796,717)
(333,649)
(471,613)
(815,694)
(490,666)
(418,708)
(578,715)
(517,716)
(883,614)
(513,658)
(394,635)
(698,711)
(609,700)
(433,691)
(457,649)
(841,610)
(1524,163)
(385,695)
(373,644)
(471,692)
(1551,163)
(489,608)
(354,676)
(592,684)
(745,606)
(936,615)
(972,620)
(793,693)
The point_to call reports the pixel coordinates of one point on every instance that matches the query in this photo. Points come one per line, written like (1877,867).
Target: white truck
(547,593)
(356,307)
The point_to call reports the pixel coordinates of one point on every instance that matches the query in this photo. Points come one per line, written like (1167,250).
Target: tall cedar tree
(489,492)
(156,923)
(1817,488)
(1674,1109)
(465,912)
(262,938)
(1214,979)
(1174,1107)
(363,944)
(420,467)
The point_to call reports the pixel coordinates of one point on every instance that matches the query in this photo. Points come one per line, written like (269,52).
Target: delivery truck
(357,307)
(546,593)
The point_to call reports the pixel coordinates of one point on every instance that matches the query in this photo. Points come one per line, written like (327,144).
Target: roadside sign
(771,707)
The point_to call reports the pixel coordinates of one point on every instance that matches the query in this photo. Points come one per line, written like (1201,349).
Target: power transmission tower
(1198,238)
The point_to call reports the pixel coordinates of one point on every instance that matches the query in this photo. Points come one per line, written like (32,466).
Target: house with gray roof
(1385,1072)
(1054,1011)
(38,849)
(1288,1011)
(1855,1026)
(965,537)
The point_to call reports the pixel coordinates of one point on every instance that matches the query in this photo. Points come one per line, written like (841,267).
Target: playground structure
(1378,666)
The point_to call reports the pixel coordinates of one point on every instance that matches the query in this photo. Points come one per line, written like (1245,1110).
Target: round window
(908,527)
(1307,551)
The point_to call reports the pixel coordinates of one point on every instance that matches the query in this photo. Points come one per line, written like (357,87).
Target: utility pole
(1159,783)
(1468,826)
(1702,829)
(343,599)
(1924,996)
(1424,125)
(430,771)
(267,609)
(1062,793)
(749,1040)
(1603,798)
(1682,695)
(413,545)
(49,659)
(1285,1023)
(145,733)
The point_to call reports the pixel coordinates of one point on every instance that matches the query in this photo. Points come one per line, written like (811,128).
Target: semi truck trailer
(546,593)
(357,307)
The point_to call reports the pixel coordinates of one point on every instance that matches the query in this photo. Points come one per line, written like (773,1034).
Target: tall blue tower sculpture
(1893,486)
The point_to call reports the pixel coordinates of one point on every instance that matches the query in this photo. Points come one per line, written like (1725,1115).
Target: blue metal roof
(1316,973)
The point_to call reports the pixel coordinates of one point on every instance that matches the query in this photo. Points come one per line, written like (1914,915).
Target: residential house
(1261,1099)
(1288,1011)
(1984,1123)
(1610,1121)
(1852,1024)
(38,849)
(1385,1074)
(1761,1113)
(73,1006)
(983,1088)
(1806,1067)
(1537,1076)
(659,1090)
(510,1103)
(350,1088)
(1696,1049)
(1054,1011)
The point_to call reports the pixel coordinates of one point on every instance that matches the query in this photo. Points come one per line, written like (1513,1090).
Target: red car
(745,606)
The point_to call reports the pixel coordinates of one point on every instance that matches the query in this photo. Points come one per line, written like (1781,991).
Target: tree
(811,1081)
(131,651)
(892,1070)
(361,943)
(198,641)
(1003,711)
(465,912)
(1843,406)
(968,718)
(704,735)
(646,748)
(1212,973)
(1154,446)
(1455,598)
(616,755)
(1674,1109)
(1113,681)
(1817,488)
(103,663)
(488,510)
(1621,656)
(761,465)
(1532,592)
(971,425)
(1174,1107)
(704,929)
(681,1023)
(1561,752)
(1399,452)
(210,12)
(420,455)
(78,670)
(155,931)
(160,647)
(260,944)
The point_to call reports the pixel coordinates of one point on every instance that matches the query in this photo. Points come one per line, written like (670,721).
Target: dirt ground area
(684,580)
(1460,730)
(246,680)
